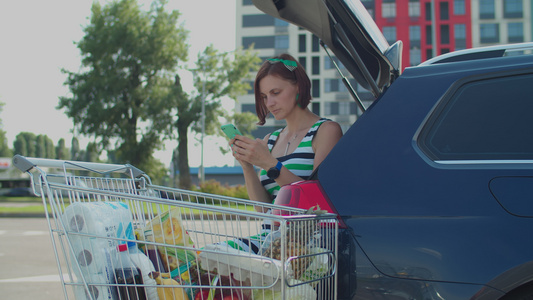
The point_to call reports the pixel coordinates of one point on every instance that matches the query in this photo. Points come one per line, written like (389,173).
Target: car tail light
(306,194)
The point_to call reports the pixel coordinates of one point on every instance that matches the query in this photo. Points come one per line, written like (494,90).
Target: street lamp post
(201,172)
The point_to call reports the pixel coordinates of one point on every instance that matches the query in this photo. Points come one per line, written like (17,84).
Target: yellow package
(166,229)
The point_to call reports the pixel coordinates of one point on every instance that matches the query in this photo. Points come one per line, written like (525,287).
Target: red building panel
(446,19)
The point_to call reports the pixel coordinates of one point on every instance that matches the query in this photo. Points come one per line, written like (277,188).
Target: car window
(490,119)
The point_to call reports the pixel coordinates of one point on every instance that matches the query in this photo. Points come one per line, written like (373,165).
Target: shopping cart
(117,236)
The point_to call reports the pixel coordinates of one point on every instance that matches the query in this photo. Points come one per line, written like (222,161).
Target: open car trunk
(347,29)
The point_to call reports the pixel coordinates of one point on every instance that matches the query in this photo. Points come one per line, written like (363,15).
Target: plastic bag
(166,229)
(299,238)
(298,291)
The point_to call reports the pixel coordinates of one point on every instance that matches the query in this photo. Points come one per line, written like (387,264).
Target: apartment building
(424,31)
(426,27)
(501,22)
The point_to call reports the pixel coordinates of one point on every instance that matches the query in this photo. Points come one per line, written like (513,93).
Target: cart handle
(25,164)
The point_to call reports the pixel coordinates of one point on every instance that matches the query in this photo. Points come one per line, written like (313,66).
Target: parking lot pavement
(29,269)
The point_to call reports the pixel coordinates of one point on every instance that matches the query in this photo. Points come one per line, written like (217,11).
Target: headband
(290,64)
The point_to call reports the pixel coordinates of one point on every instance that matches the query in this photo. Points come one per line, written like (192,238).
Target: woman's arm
(328,134)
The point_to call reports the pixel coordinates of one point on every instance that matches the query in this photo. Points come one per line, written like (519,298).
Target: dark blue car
(434,181)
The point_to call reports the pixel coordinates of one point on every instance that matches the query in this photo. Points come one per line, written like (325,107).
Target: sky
(37,40)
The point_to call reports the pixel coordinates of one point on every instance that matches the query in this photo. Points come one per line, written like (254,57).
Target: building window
(459,31)
(388,10)
(429,53)
(302,43)
(257,20)
(331,108)
(331,85)
(515,32)
(390,34)
(414,36)
(336,85)
(429,35)
(415,56)
(280,23)
(444,34)
(486,9)
(315,61)
(329,65)
(315,44)
(444,10)
(259,42)
(315,108)
(489,33)
(344,108)
(427,8)
(303,61)
(512,8)
(247,2)
(414,8)
(315,89)
(281,42)
(248,108)
(459,8)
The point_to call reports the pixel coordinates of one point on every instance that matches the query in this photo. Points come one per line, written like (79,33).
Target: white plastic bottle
(128,276)
(143,263)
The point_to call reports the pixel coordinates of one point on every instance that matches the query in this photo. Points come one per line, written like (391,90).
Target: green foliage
(215,187)
(4,148)
(5,151)
(217,75)
(120,97)
(62,152)
(25,144)
(128,94)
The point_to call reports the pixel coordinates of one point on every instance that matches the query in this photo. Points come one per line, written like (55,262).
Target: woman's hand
(252,151)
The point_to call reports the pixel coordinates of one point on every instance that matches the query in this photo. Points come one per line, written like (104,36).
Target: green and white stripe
(300,162)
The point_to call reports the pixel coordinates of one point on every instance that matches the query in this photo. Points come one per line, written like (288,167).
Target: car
(433,184)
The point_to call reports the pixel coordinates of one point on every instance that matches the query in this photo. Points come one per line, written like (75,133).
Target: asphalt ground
(29,270)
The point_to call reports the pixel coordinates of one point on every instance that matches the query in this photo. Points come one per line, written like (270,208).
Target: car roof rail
(482,53)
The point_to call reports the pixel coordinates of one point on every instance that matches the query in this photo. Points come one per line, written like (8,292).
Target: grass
(33,205)
(20,199)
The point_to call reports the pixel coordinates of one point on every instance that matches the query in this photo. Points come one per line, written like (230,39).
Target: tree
(4,148)
(5,151)
(75,151)
(218,75)
(61,150)
(91,154)
(121,98)
(25,144)
(29,144)
(44,147)
(129,95)
(50,148)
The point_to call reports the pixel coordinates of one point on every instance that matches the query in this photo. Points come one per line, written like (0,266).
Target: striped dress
(300,162)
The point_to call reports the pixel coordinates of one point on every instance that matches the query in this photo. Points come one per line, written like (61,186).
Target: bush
(215,187)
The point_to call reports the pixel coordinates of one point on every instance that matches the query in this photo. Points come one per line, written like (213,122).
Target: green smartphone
(230,130)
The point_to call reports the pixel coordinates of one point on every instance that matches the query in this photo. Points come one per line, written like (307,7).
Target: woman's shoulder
(328,124)
(329,128)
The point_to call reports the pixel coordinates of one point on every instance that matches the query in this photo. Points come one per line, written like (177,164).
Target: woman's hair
(276,67)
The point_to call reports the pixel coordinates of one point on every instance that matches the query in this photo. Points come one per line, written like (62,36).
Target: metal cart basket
(118,236)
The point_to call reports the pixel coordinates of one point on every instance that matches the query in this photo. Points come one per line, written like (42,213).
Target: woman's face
(279,95)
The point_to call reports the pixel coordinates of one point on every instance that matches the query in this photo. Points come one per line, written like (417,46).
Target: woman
(287,155)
